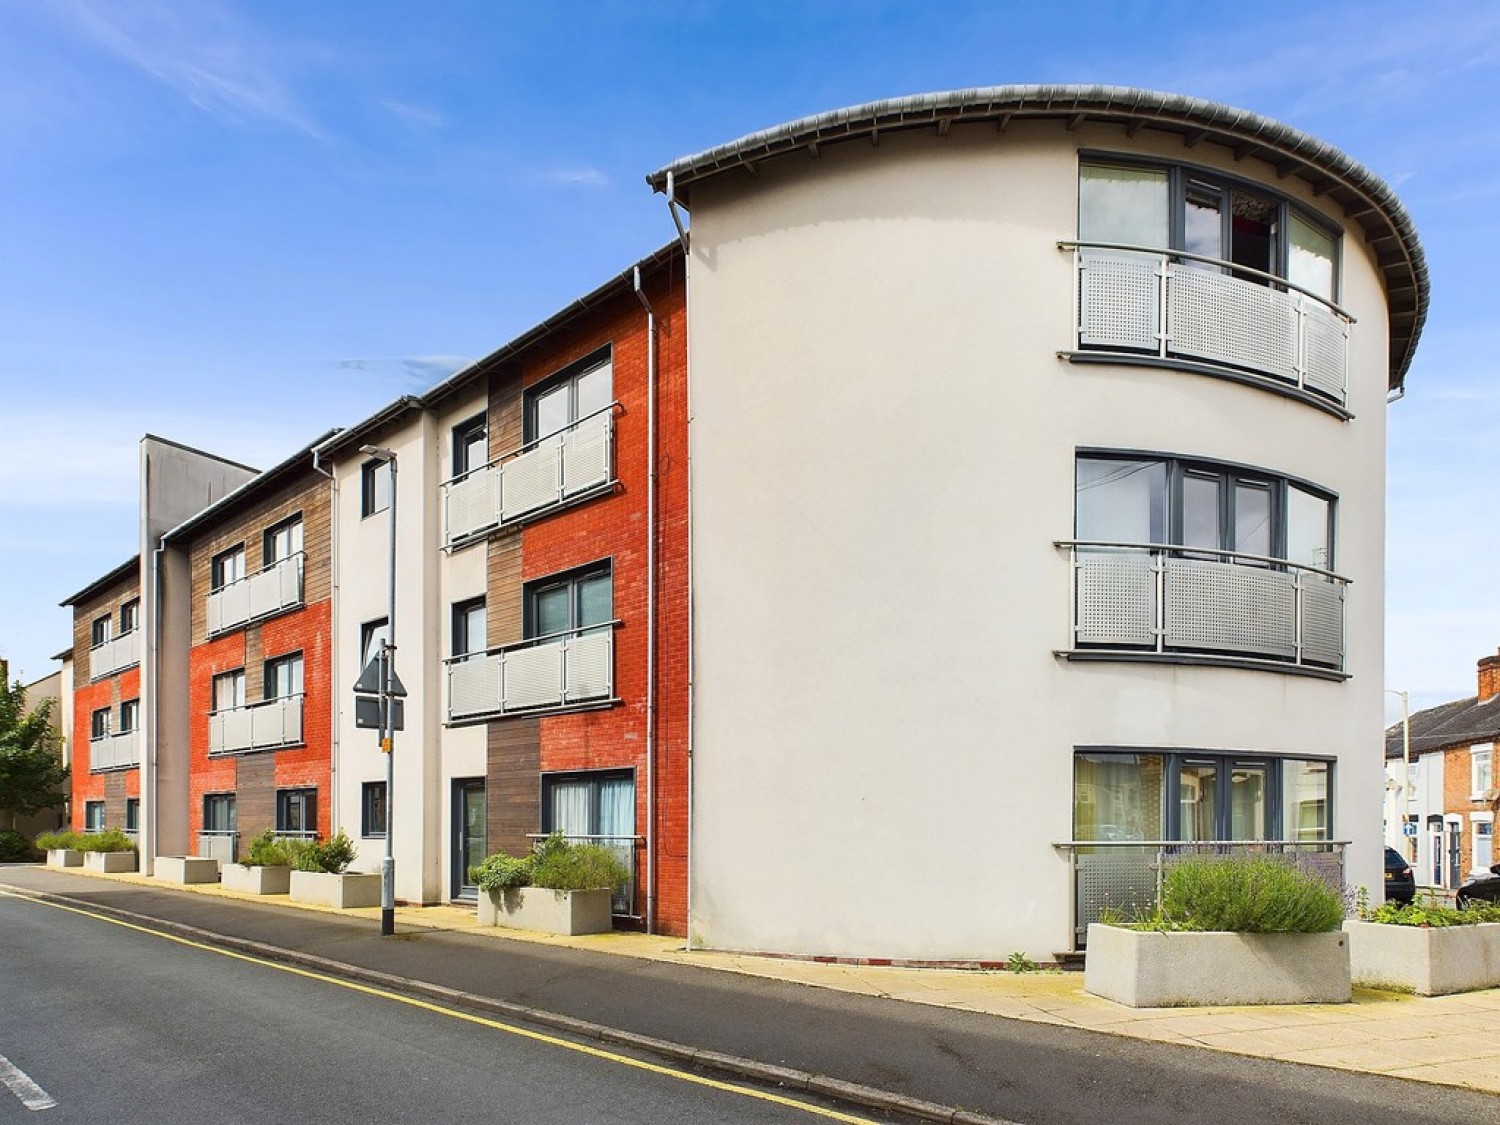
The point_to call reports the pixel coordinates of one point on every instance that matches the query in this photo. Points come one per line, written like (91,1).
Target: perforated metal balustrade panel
(1325,350)
(1116,599)
(1226,320)
(1322,621)
(1119,298)
(1224,607)
(1122,881)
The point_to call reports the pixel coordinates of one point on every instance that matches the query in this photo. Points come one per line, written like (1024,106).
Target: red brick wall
(614,527)
(89,697)
(1489,677)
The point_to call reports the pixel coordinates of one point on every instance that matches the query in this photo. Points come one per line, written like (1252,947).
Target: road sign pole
(388,739)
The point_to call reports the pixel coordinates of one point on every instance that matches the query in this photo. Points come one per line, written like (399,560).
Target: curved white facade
(883,445)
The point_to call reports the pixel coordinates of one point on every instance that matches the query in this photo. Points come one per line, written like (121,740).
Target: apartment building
(1441,763)
(539,501)
(1038,455)
(257,702)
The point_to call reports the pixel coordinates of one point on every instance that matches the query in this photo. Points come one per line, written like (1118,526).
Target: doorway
(468,834)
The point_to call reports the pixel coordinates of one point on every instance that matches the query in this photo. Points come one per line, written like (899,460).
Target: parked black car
(1400,883)
(1481,888)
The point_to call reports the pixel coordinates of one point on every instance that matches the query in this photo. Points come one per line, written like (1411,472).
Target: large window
(372,809)
(229,690)
(296,812)
(1167,501)
(584,389)
(1187,796)
(374,487)
(283,677)
(218,813)
(283,541)
(471,445)
(595,803)
(1211,216)
(577,600)
(227,567)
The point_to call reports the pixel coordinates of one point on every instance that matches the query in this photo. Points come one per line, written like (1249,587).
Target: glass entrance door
(468,834)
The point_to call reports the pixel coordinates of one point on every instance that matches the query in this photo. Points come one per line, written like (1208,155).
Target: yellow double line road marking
(482,1021)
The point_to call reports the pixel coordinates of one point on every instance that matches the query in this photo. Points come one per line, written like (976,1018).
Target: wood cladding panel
(114,800)
(255,795)
(512,800)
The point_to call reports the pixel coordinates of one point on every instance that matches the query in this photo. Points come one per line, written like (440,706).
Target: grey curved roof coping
(1366,199)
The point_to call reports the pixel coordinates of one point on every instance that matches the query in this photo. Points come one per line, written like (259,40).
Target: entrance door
(468,834)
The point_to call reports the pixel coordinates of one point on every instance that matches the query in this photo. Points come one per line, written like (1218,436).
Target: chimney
(1489,677)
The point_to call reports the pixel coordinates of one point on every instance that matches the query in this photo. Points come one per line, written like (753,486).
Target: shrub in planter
(562,866)
(559,888)
(1247,895)
(501,872)
(1426,948)
(266,850)
(16,848)
(59,841)
(331,856)
(109,840)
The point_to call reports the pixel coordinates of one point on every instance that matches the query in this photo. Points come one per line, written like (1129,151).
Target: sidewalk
(1449,1040)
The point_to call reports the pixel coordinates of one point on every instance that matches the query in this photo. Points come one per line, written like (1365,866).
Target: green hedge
(1248,895)
(554,864)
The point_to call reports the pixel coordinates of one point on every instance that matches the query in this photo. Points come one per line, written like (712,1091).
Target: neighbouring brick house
(258,688)
(106,735)
(1451,783)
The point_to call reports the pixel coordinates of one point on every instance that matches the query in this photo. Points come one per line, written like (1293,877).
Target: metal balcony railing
(115,751)
(1172,304)
(115,654)
(260,726)
(569,465)
(1125,877)
(269,591)
(219,844)
(546,673)
(622,903)
(1157,598)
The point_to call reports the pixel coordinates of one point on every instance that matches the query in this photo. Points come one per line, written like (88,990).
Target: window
(297,812)
(469,627)
(1481,771)
(218,813)
(1192,796)
(596,803)
(130,715)
(584,389)
(1484,846)
(372,809)
(283,677)
(283,541)
(93,816)
(132,814)
(568,602)
(99,632)
(374,487)
(227,567)
(371,634)
(99,724)
(1166,501)
(229,690)
(471,445)
(130,616)
(1201,213)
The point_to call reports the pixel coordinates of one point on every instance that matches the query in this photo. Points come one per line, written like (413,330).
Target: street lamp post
(1405,809)
(387,713)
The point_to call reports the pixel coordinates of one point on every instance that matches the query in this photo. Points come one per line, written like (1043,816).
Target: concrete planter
(255,880)
(186,869)
(342,892)
(1150,969)
(64,857)
(109,863)
(548,911)
(1428,961)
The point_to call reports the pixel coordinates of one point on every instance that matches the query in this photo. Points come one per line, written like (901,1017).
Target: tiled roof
(1462,722)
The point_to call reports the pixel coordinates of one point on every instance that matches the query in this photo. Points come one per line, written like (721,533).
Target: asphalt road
(1021,1072)
(113,1025)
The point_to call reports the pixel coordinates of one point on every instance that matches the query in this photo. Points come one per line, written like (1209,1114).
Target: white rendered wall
(882,444)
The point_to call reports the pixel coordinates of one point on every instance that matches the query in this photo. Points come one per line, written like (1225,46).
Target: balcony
(570,465)
(1188,605)
(115,751)
(260,726)
(114,654)
(1180,306)
(549,673)
(267,592)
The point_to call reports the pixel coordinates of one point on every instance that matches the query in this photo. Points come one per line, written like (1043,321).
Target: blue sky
(237,224)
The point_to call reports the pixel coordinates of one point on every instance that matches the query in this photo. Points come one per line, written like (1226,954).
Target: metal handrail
(259,703)
(532,642)
(299,555)
(1234,268)
(528,446)
(1185,549)
(1069,844)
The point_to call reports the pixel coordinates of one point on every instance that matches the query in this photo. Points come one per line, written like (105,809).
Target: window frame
(130,616)
(460,643)
(1481,770)
(268,555)
(569,376)
(220,803)
(216,568)
(547,781)
(134,714)
(369,792)
(100,723)
(236,674)
(132,814)
(572,579)
(101,630)
(463,436)
(304,800)
(271,672)
(1182,175)
(93,816)
(369,487)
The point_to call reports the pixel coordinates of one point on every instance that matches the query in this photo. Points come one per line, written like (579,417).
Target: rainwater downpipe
(147,847)
(650,604)
(333,648)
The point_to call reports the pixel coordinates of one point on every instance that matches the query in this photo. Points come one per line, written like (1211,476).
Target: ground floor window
(218,812)
(132,814)
(1484,844)
(597,806)
(297,812)
(93,816)
(1186,795)
(372,809)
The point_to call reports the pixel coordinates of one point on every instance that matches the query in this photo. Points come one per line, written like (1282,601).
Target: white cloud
(586,176)
(201,50)
(414,115)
